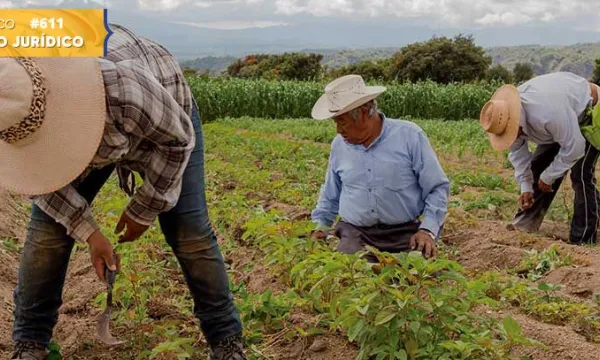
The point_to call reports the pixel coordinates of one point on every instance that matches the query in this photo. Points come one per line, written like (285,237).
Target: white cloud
(507,18)
(438,13)
(166,5)
(233,25)
(103,3)
(449,12)
(460,13)
(160,5)
(203,4)
(548,17)
(314,7)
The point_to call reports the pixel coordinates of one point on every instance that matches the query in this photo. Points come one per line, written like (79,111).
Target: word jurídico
(44,41)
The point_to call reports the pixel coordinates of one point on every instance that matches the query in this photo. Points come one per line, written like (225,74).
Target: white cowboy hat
(52,115)
(500,117)
(344,94)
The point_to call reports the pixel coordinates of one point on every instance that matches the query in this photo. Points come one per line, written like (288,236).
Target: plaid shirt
(148,130)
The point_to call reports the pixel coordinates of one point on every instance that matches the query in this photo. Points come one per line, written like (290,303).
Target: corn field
(218,97)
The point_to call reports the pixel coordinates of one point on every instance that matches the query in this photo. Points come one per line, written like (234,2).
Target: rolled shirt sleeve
(69,209)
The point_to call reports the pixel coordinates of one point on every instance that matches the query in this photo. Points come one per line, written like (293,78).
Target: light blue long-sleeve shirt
(395,180)
(551,110)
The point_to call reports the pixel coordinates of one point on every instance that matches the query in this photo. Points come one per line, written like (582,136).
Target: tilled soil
(562,341)
(8,280)
(323,347)
(490,246)
(12,220)
(77,317)
(480,246)
(501,249)
(75,331)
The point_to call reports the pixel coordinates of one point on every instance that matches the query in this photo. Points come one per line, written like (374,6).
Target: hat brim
(62,148)
(320,110)
(510,94)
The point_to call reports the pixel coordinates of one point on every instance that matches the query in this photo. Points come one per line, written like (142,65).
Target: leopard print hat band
(37,109)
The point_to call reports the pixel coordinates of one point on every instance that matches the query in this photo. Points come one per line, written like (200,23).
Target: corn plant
(219,97)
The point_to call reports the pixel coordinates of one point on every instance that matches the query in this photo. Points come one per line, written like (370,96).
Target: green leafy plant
(263,178)
(11,244)
(537,264)
(420,310)
(54,351)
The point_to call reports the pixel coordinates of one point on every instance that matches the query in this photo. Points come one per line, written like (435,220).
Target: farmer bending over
(548,110)
(66,125)
(382,176)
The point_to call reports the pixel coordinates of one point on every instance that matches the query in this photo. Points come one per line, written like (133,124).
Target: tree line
(441,59)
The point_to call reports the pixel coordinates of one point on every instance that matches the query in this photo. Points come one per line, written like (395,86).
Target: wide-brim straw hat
(500,117)
(52,116)
(344,94)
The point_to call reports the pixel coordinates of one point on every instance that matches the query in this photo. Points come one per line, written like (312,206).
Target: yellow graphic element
(53,32)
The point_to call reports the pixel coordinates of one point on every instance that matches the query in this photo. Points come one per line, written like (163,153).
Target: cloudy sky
(452,13)
(493,22)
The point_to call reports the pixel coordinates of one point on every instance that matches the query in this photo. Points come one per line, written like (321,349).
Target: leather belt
(383,226)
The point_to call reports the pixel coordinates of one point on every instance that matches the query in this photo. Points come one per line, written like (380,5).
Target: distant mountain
(578,58)
(214,65)
(332,58)
(345,57)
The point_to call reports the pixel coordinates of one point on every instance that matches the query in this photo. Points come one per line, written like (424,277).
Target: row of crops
(218,97)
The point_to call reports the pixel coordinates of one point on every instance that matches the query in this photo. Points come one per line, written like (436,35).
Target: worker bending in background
(550,111)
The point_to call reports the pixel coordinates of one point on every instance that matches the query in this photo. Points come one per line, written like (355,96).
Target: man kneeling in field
(382,176)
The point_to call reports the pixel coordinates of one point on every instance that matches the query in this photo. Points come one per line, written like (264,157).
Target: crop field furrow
(490,294)
(524,262)
(527,261)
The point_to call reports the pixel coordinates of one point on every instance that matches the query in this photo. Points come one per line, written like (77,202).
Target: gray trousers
(584,224)
(388,238)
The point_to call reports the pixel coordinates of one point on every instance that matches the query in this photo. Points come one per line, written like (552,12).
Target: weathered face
(352,131)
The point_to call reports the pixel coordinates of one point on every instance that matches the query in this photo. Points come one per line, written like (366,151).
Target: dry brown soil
(77,317)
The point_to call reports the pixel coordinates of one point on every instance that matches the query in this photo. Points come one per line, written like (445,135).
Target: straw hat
(499,117)
(344,94)
(52,114)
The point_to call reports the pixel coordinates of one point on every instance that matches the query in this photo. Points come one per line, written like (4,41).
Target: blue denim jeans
(187,229)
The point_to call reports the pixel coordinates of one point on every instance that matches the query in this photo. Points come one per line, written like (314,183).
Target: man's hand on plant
(422,241)
(526,200)
(319,234)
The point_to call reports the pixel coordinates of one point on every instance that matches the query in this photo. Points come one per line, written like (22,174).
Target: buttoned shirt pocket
(353,178)
(397,176)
